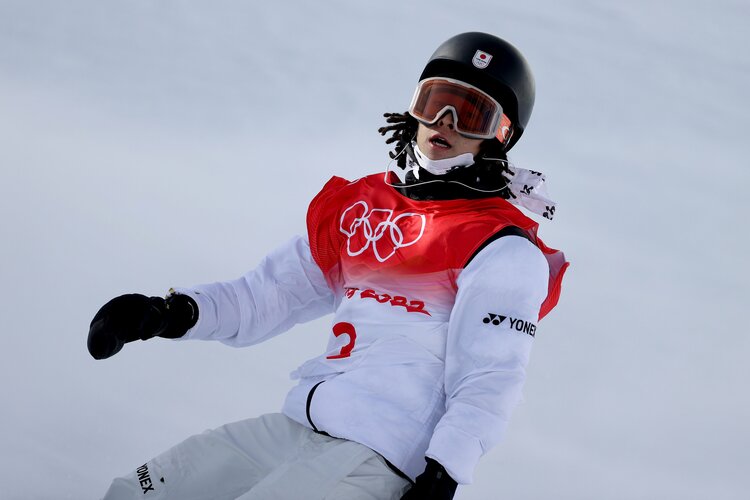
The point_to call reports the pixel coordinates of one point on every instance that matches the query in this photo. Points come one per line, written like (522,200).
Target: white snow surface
(153,143)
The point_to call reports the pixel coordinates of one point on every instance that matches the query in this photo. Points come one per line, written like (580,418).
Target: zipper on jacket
(307,409)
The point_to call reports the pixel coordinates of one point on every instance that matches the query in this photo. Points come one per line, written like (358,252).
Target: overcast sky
(146,144)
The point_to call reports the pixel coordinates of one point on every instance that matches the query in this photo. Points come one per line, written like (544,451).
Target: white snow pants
(267,458)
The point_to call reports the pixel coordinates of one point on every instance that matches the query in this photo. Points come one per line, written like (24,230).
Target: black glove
(131,317)
(433,484)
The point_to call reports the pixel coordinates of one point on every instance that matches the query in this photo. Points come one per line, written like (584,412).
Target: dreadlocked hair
(403,129)
(491,164)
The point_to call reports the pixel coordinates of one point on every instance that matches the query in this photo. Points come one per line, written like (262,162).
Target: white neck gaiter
(438,167)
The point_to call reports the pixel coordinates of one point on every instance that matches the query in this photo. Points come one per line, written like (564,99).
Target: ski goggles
(475,114)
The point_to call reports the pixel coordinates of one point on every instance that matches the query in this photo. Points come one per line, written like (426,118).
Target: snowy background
(152,143)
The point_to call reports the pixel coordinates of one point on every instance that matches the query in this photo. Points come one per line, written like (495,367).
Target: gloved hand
(433,484)
(131,317)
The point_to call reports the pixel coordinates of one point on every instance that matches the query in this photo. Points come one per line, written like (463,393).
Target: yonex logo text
(518,325)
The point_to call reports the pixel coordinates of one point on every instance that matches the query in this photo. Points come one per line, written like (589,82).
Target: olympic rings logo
(365,228)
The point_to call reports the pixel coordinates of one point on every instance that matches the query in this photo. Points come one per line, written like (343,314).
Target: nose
(446,120)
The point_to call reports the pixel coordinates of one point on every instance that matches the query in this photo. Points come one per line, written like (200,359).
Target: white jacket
(403,382)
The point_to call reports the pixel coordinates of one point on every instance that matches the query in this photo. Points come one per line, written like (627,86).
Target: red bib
(366,230)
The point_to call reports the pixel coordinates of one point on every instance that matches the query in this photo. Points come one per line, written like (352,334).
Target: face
(440,140)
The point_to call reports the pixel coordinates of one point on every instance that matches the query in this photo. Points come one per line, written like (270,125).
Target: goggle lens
(476,114)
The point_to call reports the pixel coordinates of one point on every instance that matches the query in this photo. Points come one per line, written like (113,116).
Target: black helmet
(492,65)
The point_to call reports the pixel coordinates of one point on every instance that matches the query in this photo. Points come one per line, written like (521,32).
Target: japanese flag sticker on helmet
(481,59)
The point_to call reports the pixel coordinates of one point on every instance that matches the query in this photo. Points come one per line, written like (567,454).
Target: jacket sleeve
(490,334)
(285,289)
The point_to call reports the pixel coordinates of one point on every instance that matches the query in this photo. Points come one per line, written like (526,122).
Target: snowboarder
(436,282)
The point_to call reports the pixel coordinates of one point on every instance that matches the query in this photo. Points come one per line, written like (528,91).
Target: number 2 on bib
(344,328)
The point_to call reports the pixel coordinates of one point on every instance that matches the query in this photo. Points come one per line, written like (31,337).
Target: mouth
(439,141)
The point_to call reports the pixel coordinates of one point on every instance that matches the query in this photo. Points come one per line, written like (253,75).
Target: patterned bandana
(529,190)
